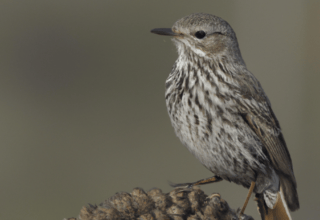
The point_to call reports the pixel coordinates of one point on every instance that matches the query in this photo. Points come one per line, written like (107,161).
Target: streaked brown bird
(221,114)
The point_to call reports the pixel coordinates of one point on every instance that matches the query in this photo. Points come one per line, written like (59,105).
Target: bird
(222,115)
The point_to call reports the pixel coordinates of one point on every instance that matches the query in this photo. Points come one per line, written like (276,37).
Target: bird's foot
(197,183)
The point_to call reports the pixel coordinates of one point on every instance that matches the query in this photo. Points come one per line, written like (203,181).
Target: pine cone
(179,204)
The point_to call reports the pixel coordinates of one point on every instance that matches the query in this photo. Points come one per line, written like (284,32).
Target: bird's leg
(248,197)
(200,182)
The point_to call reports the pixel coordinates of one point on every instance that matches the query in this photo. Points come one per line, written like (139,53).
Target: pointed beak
(164,31)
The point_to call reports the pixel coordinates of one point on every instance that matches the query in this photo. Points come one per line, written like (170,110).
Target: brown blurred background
(82,108)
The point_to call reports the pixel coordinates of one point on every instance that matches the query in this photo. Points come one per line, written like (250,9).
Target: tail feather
(280,210)
(290,193)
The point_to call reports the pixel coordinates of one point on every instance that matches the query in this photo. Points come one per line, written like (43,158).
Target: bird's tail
(280,210)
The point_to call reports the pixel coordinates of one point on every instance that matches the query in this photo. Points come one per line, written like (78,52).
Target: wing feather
(257,113)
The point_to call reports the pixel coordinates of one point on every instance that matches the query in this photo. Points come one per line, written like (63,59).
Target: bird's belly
(218,139)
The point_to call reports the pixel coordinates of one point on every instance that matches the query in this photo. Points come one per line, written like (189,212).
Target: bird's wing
(255,109)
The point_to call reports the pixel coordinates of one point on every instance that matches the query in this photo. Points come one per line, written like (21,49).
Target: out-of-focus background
(83,114)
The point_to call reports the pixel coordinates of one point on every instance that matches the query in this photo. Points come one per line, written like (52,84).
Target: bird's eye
(200,34)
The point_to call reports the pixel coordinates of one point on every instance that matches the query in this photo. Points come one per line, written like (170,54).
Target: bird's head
(205,35)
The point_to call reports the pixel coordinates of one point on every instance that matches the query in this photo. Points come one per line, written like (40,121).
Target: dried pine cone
(179,204)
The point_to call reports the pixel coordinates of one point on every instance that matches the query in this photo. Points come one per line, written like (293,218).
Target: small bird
(220,112)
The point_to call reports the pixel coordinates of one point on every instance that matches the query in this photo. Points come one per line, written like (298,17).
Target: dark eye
(200,34)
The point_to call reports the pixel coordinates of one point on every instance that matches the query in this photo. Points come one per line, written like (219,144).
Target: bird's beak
(164,31)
